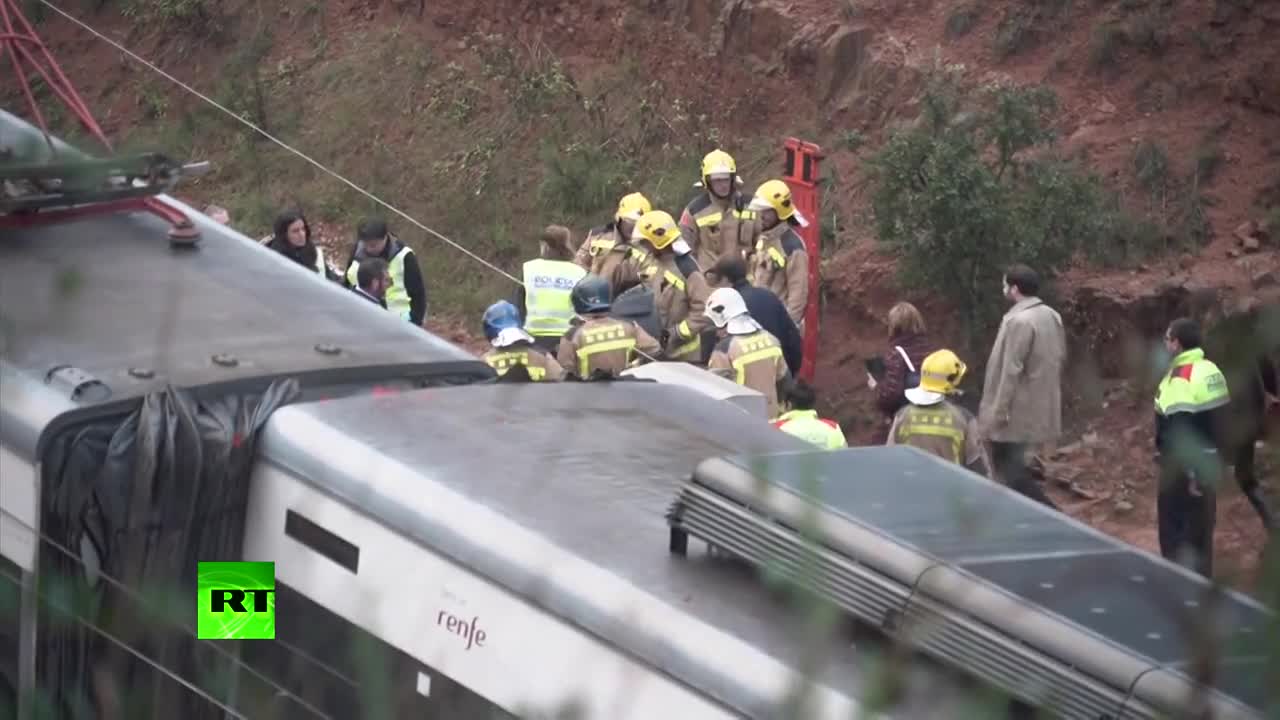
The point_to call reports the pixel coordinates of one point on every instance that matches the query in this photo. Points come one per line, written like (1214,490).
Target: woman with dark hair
(291,237)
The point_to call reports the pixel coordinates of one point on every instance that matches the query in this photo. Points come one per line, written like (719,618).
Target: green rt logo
(236,601)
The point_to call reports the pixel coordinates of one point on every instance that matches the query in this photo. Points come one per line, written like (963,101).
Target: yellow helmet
(774,195)
(718,162)
(658,228)
(941,372)
(631,207)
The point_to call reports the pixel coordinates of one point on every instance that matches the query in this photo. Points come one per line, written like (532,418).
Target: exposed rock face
(840,61)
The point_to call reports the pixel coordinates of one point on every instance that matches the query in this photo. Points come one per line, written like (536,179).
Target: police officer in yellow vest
(936,425)
(717,221)
(514,348)
(1189,400)
(802,420)
(407,296)
(543,300)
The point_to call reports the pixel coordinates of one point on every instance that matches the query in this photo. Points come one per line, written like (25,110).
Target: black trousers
(1010,465)
(549,343)
(1248,481)
(1186,521)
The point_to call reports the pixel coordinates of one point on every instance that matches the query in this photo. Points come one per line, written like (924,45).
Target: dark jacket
(304,256)
(378,301)
(413,282)
(766,309)
(890,388)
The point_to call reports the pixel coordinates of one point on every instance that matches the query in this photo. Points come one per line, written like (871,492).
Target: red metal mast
(28,54)
(801,175)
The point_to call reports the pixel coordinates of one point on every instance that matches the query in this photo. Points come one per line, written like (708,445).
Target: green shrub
(963,193)
(962,18)
(1108,40)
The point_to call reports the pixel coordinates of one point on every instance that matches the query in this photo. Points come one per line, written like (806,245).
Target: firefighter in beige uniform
(600,344)
(746,353)
(780,262)
(609,253)
(681,288)
(933,423)
(717,221)
(514,347)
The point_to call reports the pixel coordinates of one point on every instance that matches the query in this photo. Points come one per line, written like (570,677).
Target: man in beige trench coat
(1022,396)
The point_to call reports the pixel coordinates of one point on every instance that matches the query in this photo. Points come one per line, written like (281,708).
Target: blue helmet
(500,316)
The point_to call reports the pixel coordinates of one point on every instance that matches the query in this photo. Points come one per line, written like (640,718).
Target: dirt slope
(459,113)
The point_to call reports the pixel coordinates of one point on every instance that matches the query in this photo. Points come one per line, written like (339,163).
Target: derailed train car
(444,546)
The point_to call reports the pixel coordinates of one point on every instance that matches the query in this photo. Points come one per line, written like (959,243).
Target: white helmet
(725,307)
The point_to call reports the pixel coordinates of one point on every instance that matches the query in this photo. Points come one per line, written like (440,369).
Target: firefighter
(717,221)
(601,239)
(407,296)
(781,262)
(802,420)
(933,423)
(746,352)
(513,347)
(680,286)
(602,346)
(1188,405)
(608,251)
(543,300)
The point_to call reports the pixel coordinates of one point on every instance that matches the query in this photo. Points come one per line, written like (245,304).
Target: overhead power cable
(286,146)
(316,163)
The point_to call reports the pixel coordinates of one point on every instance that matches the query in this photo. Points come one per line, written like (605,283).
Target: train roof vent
(894,546)
(78,385)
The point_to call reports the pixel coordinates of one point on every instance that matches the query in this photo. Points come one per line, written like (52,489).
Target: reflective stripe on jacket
(548,305)
(604,343)
(1185,404)
(806,425)
(714,227)
(540,366)
(934,429)
(755,361)
(397,296)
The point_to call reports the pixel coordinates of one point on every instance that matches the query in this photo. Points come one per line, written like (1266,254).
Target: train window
(322,541)
(345,672)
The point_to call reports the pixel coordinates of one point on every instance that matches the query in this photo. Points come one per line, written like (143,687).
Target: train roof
(108,297)
(590,467)
(1101,606)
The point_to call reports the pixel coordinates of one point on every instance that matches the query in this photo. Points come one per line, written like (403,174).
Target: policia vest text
(547,288)
(397,296)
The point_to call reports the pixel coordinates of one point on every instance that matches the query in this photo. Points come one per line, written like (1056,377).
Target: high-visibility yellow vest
(397,297)
(934,421)
(806,425)
(1192,384)
(504,361)
(548,285)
